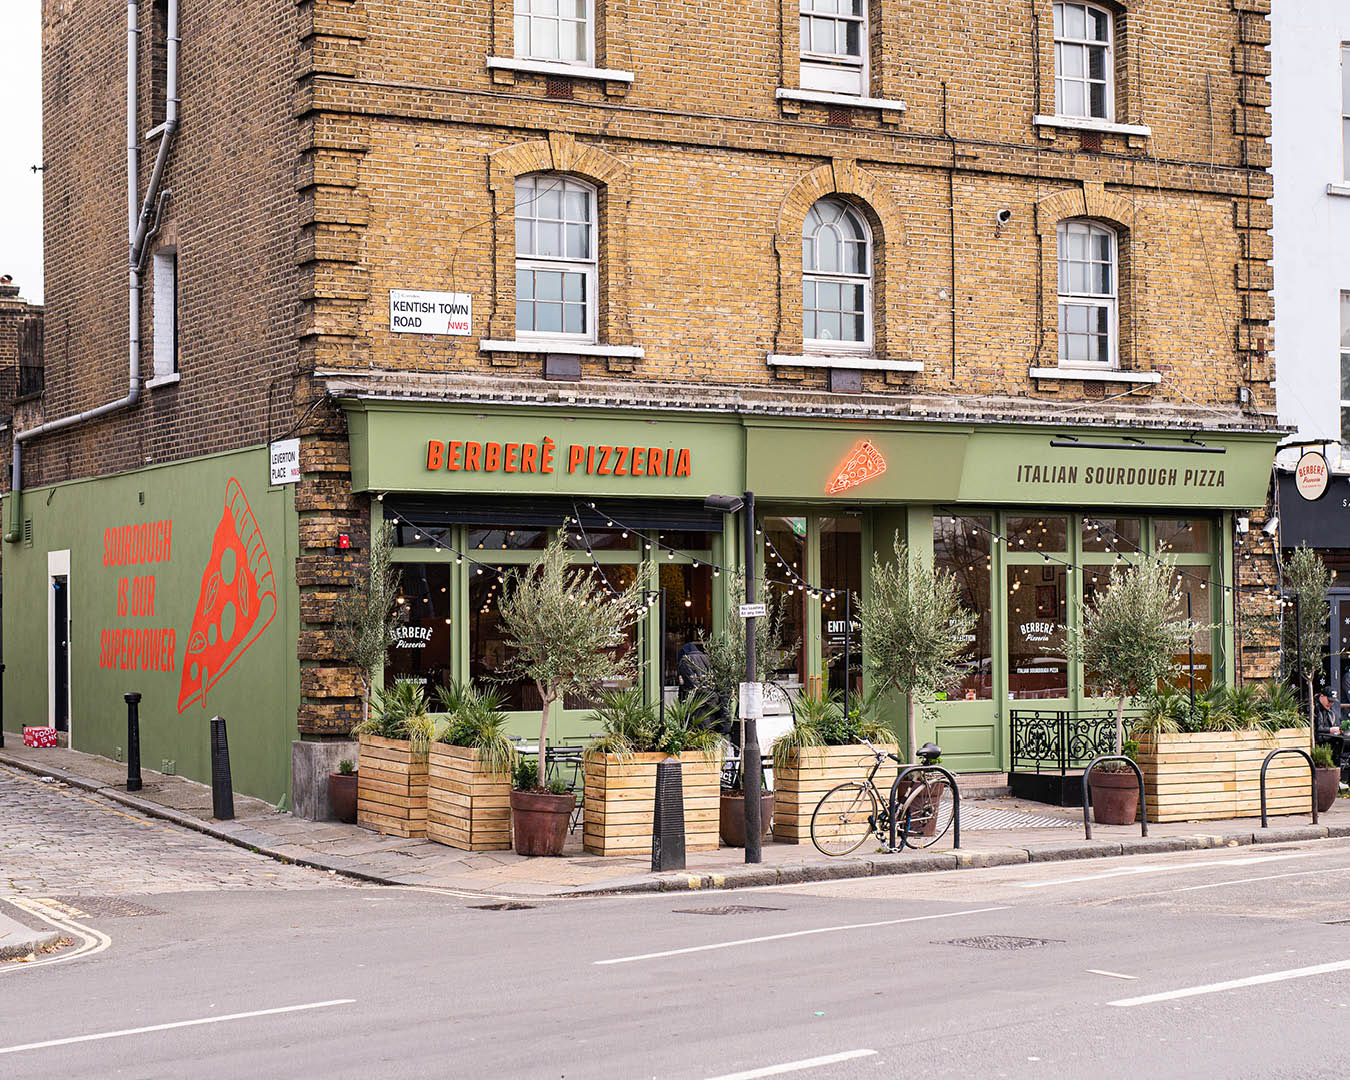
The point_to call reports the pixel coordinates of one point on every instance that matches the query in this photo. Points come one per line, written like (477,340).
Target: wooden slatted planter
(391,788)
(798,789)
(1217,774)
(467,808)
(621,797)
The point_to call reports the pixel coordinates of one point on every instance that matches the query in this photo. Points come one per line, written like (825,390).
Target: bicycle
(851,812)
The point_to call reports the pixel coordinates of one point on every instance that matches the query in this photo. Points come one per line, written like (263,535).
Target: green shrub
(1322,757)
(820,721)
(346,767)
(630,726)
(399,712)
(475,721)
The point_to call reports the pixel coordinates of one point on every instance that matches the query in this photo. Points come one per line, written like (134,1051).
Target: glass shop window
(1181,536)
(1038,605)
(841,573)
(1109,534)
(964,549)
(688,613)
(1037,532)
(423,640)
(784,557)
(534,538)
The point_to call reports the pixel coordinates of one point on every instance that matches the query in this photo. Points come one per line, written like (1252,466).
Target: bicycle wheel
(846,817)
(926,814)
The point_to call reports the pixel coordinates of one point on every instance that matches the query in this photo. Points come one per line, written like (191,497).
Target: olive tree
(1307,630)
(566,630)
(915,631)
(367,614)
(1132,633)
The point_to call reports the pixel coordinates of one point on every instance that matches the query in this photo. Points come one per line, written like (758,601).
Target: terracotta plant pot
(539,821)
(1328,787)
(342,796)
(731,823)
(1115,797)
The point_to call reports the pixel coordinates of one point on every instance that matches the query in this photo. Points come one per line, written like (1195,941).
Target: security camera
(1271,527)
(1003,217)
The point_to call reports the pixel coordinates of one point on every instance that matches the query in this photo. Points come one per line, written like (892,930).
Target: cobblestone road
(56,840)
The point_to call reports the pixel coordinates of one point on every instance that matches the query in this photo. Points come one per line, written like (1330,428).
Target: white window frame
(588,268)
(838,73)
(1345,111)
(830,346)
(165,312)
(1061,39)
(1345,361)
(523,9)
(1109,301)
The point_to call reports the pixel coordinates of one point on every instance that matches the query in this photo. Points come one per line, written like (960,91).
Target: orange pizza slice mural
(237,602)
(863,463)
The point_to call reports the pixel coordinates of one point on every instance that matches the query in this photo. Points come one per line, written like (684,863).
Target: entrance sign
(430,312)
(753,611)
(284,462)
(1311,475)
(863,463)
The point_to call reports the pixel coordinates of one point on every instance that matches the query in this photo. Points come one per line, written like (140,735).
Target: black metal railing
(1060,740)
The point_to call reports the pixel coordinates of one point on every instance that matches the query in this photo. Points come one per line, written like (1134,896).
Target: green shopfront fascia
(1030,520)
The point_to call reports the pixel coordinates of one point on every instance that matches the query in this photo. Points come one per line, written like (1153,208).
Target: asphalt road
(879,974)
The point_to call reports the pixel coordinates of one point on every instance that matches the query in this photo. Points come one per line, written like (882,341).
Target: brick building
(995,278)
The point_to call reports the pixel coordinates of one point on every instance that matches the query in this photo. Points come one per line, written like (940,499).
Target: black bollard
(668,817)
(222,787)
(133,701)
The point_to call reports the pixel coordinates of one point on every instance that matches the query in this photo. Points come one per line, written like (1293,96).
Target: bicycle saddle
(930,751)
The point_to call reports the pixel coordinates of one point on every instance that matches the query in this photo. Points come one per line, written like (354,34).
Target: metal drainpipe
(138,228)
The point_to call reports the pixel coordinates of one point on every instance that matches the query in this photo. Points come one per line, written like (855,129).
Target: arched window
(836,278)
(555,258)
(1088,324)
(1084,64)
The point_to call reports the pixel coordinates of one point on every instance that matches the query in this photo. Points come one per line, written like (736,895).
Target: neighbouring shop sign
(284,462)
(430,312)
(547,456)
(1311,475)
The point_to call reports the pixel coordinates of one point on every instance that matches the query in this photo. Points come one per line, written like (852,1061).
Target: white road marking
(1110,974)
(1267,877)
(175,1024)
(797,1066)
(1168,868)
(94,941)
(793,934)
(1234,984)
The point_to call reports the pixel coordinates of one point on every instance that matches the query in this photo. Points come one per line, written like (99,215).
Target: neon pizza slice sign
(864,462)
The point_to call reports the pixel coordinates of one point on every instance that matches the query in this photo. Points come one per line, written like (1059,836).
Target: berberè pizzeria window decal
(456,455)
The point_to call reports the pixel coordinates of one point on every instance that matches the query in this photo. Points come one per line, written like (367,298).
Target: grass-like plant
(629,726)
(818,720)
(1279,707)
(1322,756)
(400,712)
(475,721)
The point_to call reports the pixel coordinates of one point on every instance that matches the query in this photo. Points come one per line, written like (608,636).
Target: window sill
(1097,375)
(825,97)
(163,380)
(578,348)
(1085,123)
(855,363)
(554,67)
(1341,189)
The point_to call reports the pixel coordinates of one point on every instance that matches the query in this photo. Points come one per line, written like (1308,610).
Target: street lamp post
(752,779)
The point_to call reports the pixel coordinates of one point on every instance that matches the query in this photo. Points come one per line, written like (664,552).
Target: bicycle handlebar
(882,755)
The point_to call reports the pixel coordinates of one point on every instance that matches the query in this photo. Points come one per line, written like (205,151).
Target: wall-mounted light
(1243,524)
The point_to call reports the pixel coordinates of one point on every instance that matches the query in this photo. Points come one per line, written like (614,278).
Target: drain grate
(103,906)
(998,942)
(729,909)
(508,905)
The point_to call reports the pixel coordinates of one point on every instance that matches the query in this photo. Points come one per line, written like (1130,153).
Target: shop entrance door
(58,640)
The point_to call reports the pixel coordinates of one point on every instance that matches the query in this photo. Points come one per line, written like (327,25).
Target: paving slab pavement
(359,853)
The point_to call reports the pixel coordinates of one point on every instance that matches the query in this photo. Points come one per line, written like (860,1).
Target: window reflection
(841,573)
(787,537)
(1037,614)
(962,547)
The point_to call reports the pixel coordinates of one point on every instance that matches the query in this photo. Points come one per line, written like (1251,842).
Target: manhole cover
(104,906)
(729,909)
(998,942)
(509,905)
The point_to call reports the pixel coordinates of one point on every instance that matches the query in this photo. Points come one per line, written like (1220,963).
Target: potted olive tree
(566,631)
(915,632)
(1131,636)
(1307,628)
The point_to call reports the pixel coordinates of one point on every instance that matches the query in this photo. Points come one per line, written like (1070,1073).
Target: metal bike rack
(956,800)
(1087,798)
(1312,779)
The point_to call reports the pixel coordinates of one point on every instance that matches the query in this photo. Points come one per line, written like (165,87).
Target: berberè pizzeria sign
(1119,476)
(546,457)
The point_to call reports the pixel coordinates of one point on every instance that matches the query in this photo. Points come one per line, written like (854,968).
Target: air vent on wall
(28,532)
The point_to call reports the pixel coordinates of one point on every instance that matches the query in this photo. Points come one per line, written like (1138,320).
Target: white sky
(21,139)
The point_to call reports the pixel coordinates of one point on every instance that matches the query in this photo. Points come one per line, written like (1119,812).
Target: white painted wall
(1312,227)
